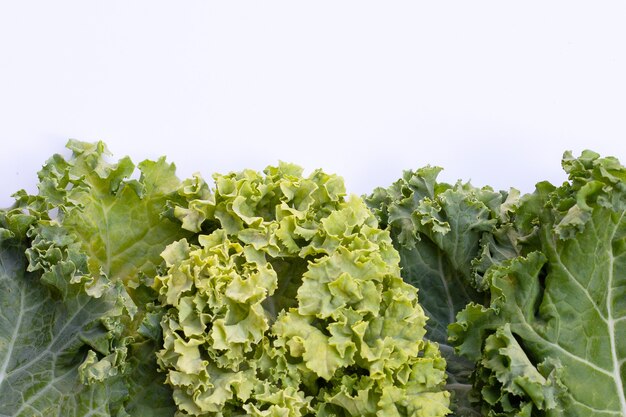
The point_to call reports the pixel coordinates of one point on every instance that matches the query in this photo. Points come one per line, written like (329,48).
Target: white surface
(492,91)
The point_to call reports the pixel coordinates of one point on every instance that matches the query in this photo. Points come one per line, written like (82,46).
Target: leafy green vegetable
(79,326)
(47,327)
(120,223)
(530,289)
(447,236)
(134,294)
(293,305)
(553,339)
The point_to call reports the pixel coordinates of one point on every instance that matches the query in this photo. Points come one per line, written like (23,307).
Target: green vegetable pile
(125,291)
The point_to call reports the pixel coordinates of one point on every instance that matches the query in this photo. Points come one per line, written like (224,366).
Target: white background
(493,91)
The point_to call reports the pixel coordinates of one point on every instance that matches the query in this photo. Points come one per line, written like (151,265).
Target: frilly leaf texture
(78,332)
(447,236)
(291,304)
(552,341)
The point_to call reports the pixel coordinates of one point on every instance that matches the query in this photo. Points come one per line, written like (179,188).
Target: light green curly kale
(291,303)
